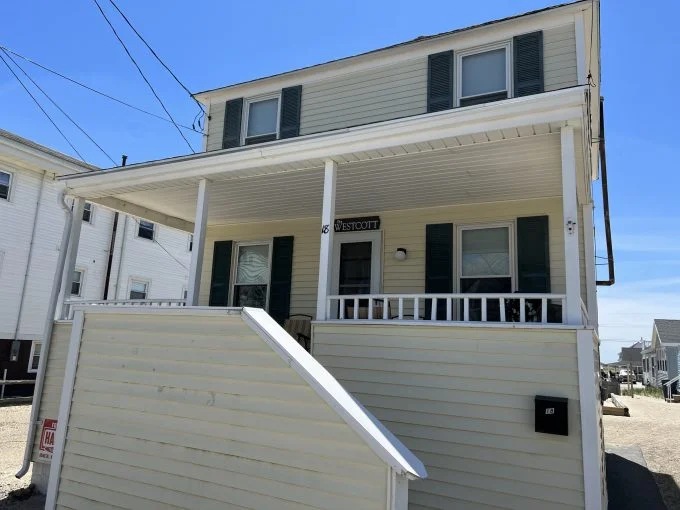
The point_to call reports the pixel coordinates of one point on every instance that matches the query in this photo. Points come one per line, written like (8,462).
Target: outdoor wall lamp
(400,254)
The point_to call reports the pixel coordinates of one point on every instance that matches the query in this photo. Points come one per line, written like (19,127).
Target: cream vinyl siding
(215,126)
(559,58)
(382,93)
(401,229)
(54,379)
(197,411)
(462,399)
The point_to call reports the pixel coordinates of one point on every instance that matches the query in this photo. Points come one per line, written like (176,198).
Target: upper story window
(87,212)
(146,229)
(139,289)
(34,358)
(77,283)
(484,75)
(261,122)
(5,183)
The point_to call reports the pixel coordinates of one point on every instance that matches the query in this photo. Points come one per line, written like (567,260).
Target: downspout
(29,257)
(47,333)
(120,260)
(605,204)
(112,245)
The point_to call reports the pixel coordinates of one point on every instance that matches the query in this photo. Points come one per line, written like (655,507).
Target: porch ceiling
(513,165)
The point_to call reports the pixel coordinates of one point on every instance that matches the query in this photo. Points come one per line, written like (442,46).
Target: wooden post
(71,255)
(197,250)
(570,215)
(326,250)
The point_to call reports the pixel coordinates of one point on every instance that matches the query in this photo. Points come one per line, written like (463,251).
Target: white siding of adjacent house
(93,252)
(401,229)
(226,423)
(462,399)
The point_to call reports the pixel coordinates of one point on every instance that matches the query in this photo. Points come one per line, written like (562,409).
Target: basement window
(146,230)
(261,122)
(484,75)
(34,358)
(5,184)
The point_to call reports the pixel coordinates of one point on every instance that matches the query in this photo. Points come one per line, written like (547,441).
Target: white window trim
(11,186)
(82,281)
(139,280)
(246,110)
(510,225)
(30,358)
(374,236)
(234,266)
(139,226)
(481,49)
(92,208)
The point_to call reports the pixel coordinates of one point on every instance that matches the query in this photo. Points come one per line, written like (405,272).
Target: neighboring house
(429,206)
(31,224)
(660,359)
(632,356)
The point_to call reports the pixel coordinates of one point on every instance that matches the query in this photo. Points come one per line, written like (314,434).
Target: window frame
(91,220)
(10,186)
(30,369)
(145,281)
(154,231)
(190,243)
(246,115)
(234,267)
(507,45)
(81,282)
(510,225)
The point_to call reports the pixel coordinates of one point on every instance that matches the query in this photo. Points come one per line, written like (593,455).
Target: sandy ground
(13,429)
(654,426)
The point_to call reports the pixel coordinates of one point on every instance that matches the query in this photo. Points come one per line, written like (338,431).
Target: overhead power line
(58,107)
(143,75)
(156,55)
(87,87)
(41,108)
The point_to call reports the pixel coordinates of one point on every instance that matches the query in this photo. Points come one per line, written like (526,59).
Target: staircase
(674,398)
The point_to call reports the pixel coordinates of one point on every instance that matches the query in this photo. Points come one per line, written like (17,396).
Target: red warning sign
(49,429)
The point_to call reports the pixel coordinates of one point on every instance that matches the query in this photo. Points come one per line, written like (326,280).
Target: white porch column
(71,255)
(570,216)
(591,273)
(198,248)
(327,218)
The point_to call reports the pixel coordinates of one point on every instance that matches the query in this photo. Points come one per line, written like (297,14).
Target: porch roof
(498,151)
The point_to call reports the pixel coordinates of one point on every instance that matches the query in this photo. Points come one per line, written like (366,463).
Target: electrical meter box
(552,415)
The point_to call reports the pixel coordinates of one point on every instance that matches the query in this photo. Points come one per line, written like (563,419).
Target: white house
(429,206)
(147,261)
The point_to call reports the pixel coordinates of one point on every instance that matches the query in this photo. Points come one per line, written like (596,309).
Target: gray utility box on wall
(552,415)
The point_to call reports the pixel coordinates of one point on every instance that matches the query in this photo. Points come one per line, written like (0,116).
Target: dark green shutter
(528,62)
(533,257)
(221,270)
(281,276)
(438,264)
(291,98)
(233,112)
(440,81)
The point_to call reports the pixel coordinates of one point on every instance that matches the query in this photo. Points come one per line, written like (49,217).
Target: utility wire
(87,87)
(59,107)
(163,247)
(157,57)
(41,108)
(142,74)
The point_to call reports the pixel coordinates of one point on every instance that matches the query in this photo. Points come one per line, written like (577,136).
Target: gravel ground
(13,429)
(654,426)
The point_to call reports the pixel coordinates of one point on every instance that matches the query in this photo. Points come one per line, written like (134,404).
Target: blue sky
(225,42)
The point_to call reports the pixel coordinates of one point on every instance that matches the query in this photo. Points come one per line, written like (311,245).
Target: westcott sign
(357,224)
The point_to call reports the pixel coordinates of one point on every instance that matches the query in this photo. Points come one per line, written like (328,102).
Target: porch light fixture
(400,254)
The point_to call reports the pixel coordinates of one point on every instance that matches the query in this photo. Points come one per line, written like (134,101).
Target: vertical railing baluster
(401,308)
(416,308)
(483,309)
(449,304)
(522,310)
(356,308)
(544,310)
(341,304)
(433,310)
(386,305)
(370,309)
(564,310)
(466,309)
(501,306)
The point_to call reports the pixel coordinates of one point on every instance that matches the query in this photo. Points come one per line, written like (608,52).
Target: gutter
(29,257)
(605,205)
(47,333)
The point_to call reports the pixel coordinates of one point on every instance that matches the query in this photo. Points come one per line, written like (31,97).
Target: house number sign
(357,224)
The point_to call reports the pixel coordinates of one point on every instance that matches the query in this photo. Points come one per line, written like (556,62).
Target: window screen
(252,276)
(138,290)
(77,283)
(486,252)
(262,117)
(484,73)
(34,362)
(87,212)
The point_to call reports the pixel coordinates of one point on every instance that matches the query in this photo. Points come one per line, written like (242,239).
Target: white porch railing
(71,304)
(523,308)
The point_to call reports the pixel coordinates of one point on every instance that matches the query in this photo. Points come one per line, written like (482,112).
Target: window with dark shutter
(528,63)
(483,74)
(291,99)
(221,271)
(438,265)
(281,277)
(440,81)
(233,111)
